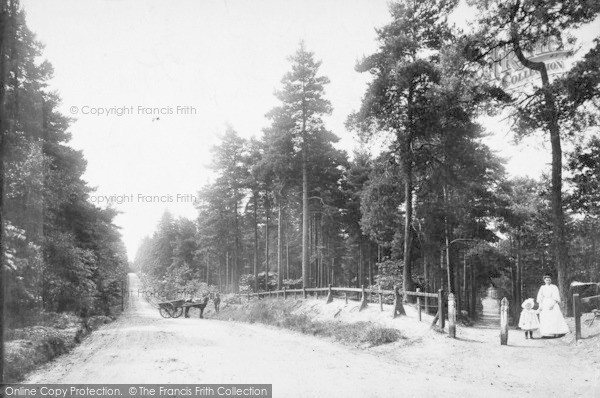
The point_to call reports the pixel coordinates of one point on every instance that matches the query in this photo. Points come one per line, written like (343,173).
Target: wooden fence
(577,301)
(363,295)
(423,301)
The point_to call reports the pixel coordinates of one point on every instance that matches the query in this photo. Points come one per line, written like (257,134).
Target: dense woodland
(59,252)
(435,208)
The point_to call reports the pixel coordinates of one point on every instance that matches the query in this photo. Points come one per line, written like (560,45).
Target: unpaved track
(142,347)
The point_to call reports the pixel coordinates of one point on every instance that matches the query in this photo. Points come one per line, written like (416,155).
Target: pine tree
(303,105)
(397,100)
(515,27)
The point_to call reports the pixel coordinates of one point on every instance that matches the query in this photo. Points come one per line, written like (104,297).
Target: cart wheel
(177,312)
(165,312)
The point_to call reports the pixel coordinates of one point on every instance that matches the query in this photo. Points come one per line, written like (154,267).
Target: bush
(33,347)
(380,335)
(261,313)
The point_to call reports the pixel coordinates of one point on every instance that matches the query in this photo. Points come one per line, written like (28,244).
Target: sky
(152,84)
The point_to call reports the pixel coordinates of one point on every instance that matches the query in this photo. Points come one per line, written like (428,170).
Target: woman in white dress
(552,323)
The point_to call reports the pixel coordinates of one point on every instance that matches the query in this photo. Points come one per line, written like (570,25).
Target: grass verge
(269,313)
(28,347)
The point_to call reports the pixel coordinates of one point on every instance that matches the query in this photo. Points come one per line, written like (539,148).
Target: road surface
(142,347)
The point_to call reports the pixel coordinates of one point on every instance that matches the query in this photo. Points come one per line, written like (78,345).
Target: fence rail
(577,301)
(362,292)
(422,300)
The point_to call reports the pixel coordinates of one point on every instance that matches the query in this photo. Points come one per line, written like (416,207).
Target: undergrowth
(351,333)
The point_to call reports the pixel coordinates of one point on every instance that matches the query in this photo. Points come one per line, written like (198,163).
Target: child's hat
(528,301)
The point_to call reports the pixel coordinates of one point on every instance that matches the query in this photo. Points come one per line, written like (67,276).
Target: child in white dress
(528,321)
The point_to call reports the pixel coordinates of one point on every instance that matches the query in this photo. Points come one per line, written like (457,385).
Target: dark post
(419,303)
(329,295)
(504,321)
(398,307)
(441,311)
(451,315)
(346,297)
(363,301)
(380,299)
(577,315)
(304,292)
(285,293)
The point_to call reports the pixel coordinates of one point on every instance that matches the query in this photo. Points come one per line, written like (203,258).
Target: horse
(200,306)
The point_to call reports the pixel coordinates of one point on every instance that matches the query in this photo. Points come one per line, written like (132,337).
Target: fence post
(285,293)
(346,297)
(451,315)
(419,304)
(380,299)
(504,321)
(577,315)
(398,307)
(303,292)
(329,295)
(363,300)
(441,311)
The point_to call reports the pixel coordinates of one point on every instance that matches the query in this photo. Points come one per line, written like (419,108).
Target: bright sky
(219,61)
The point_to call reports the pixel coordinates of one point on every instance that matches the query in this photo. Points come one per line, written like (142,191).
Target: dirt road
(142,347)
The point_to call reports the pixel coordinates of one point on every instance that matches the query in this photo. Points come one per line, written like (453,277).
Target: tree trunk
(255,199)
(305,254)
(279,245)
(207,269)
(406,270)
(359,270)
(235,268)
(558,220)
(519,278)
(464,298)
(449,268)
(370,265)
(219,272)
(287,253)
(473,305)
(227,271)
(267,249)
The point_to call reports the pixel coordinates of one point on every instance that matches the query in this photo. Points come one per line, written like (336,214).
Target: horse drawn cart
(174,308)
